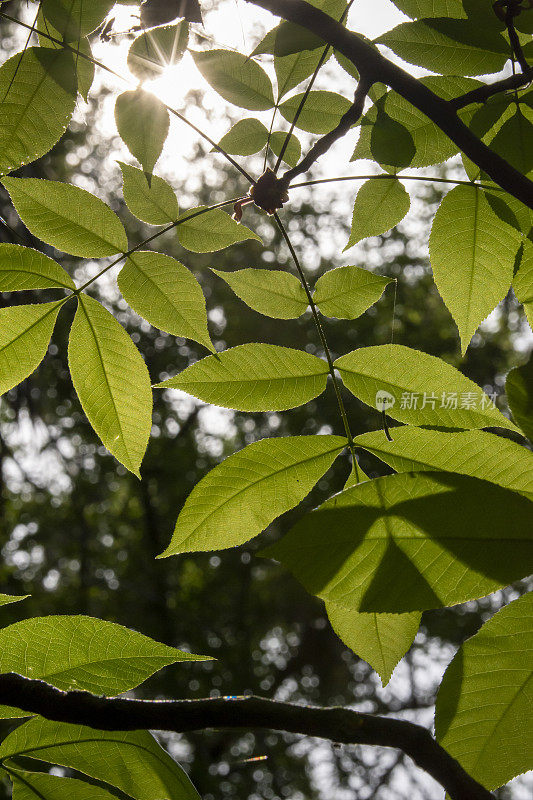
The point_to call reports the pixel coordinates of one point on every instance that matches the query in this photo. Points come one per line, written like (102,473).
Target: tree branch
(336,724)
(371,63)
(482,93)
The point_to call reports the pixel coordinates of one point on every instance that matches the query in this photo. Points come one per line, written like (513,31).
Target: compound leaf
(411,542)
(166,294)
(273,293)
(254,377)
(240,497)
(67,217)
(483,710)
(112,382)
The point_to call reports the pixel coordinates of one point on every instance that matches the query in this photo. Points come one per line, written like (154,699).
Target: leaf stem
(396,178)
(322,335)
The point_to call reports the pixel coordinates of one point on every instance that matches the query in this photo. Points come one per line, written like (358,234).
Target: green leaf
(519,388)
(419,449)
(6,599)
(84,66)
(210,231)
(523,281)
(273,293)
(76,18)
(411,542)
(483,711)
(156,204)
(143,123)
(132,762)
(347,292)
(166,294)
(472,253)
(236,78)
(417,9)
(424,390)
(154,51)
(25,332)
(39,89)
(379,206)
(67,217)
(448,46)
(321,113)
(23,268)
(41,786)
(293,151)
(112,382)
(84,653)
(379,639)
(378,131)
(246,492)
(247,137)
(254,377)
(514,142)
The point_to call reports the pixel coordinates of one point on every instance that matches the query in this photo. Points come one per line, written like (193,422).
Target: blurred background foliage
(80,534)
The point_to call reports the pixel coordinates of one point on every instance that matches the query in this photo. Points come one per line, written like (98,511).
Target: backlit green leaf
(472,253)
(378,207)
(321,113)
(476,453)
(293,151)
(273,293)
(411,542)
(67,217)
(6,599)
(76,18)
(82,55)
(39,89)
(347,292)
(254,377)
(143,123)
(248,136)
(246,492)
(417,9)
(483,711)
(155,50)
(41,786)
(448,46)
(423,390)
(523,281)
(133,762)
(214,230)
(23,268)
(112,382)
(166,294)
(25,332)
(379,639)
(514,142)
(519,389)
(156,204)
(236,78)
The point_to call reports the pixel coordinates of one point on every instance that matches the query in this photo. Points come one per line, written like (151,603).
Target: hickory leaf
(143,123)
(6,599)
(23,268)
(523,280)
(249,489)
(254,377)
(378,207)
(166,294)
(25,332)
(132,762)
(273,293)
(67,217)
(85,69)
(210,231)
(483,710)
(472,253)
(422,389)
(38,90)
(155,51)
(321,113)
(411,542)
(519,389)
(155,203)
(75,18)
(111,381)
(465,452)
(41,786)
(236,78)
(379,639)
(293,151)
(347,292)
(246,137)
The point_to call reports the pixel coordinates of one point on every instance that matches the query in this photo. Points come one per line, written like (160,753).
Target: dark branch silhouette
(336,724)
